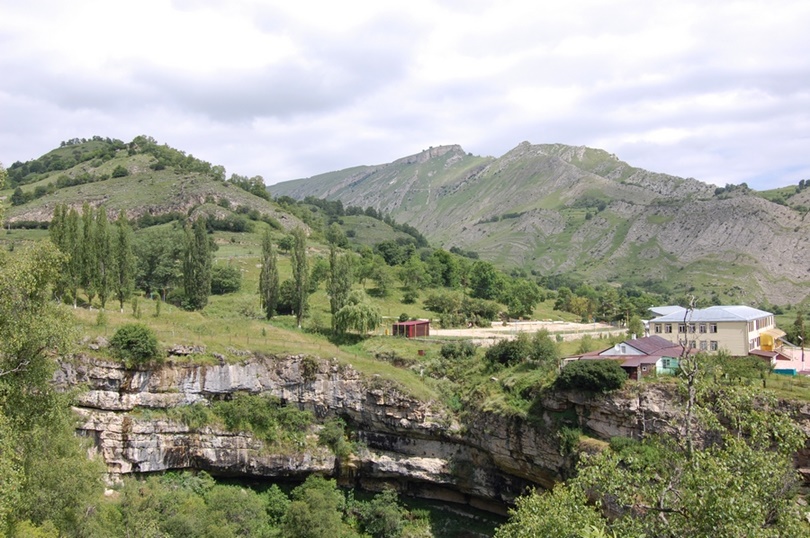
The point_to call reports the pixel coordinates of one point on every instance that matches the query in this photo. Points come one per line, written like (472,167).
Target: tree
(340,281)
(315,510)
(105,261)
(413,273)
(136,343)
(521,296)
(357,315)
(72,245)
(197,261)
(382,517)
(268,278)
(300,271)
(592,375)
(444,269)
(123,267)
(158,254)
(635,328)
(335,236)
(739,481)
(485,281)
(225,279)
(88,252)
(44,470)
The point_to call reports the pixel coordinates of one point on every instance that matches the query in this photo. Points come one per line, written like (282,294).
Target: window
(668,328)
(665,363)
(703,328)
(657,328)
(681,328)
(713,328)
(692,328)
(704,345)
(713,345)
(693,344)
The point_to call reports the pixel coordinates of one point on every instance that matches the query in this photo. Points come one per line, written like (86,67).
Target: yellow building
(735,329)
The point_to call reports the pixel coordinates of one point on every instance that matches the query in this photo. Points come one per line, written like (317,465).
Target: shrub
(136,343)
(462,349)
(225,279)
(595,376)
(120,171)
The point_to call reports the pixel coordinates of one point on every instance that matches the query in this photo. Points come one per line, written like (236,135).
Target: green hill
(141,178)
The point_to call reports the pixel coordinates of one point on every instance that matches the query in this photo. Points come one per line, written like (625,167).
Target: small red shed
(411,329)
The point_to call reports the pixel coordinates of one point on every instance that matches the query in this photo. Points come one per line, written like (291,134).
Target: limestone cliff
(418,447)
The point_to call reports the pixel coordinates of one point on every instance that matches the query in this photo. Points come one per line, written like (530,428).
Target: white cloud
(712,90)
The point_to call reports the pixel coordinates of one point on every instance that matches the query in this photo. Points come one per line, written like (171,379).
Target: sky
(718,90)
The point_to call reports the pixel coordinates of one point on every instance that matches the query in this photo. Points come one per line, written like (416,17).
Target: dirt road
(499,330)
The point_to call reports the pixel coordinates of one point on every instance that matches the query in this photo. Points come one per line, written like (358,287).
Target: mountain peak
(431,153)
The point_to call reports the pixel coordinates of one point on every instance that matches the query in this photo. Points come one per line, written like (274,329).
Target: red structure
(411,329)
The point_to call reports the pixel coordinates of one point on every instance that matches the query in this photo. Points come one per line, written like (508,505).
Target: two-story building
(738,329)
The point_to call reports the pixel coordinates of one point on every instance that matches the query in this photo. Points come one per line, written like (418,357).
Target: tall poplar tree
(197,263)
(340,281)
(104,256)
(300,270)
(58,233)
(87,253)
(268,279)
(72,242)
(123,279)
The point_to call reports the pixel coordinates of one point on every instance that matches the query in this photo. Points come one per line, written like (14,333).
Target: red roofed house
(641,357)
(411,329)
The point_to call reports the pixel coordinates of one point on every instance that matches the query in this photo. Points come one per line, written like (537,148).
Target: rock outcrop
(418,447)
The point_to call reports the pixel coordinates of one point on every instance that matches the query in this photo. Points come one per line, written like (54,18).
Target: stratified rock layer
(418,447)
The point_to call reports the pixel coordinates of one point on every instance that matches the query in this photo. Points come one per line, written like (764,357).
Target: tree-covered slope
(559,209)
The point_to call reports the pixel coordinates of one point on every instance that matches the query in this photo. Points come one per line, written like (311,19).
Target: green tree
(88,252)
(592,375)
(357,315)
(335,236)
(564,511)
(382,517)
(635,328)
(123,267)
(103,246)
(340,281)
(225,279)
(739,482)
(73,242)
(521,296)
(158,254)
(197,261)
(413,273)
(300,271)
(444,269)
(268,278)
(136,343)
(485,281)
(315,510)
(41,461)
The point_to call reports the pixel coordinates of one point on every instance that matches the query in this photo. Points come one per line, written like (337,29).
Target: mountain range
(555,209)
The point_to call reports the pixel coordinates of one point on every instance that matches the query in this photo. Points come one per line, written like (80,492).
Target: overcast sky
(718,90)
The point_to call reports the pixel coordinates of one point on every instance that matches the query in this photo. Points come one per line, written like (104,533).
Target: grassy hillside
(556,209)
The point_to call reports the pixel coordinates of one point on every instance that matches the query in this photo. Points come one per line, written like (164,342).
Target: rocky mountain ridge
(557,209)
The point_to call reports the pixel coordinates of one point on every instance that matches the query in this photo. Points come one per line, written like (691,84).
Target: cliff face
(417,447)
